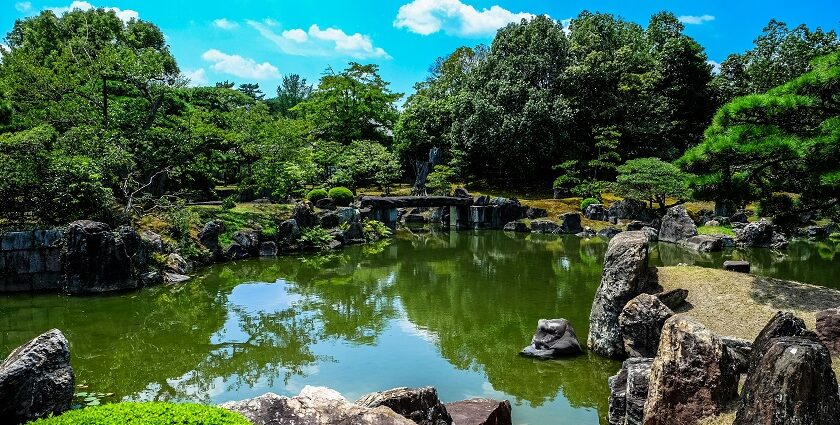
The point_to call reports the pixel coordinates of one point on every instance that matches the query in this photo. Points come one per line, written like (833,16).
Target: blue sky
(258,41)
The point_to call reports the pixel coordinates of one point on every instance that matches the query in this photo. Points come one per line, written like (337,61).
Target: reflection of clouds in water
(564,263)
(410,328)
(252,298)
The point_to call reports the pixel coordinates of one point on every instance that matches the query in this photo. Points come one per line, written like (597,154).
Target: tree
(652,180)
(440,180)
(354,104)
(364,162)
(291,92)
(252,90)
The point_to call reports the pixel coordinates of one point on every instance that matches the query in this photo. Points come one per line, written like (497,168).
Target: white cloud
(240,67)
(23,6)
(715,66)
(225,24)
(197,78)
(124,15)
(321,42)
(696,20)
(454,17)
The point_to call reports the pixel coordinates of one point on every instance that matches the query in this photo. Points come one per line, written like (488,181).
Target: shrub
(342,196)
(375,230)
(584,204)
(229,203)
(440,180)
(316,237)
(146,414)
(316,195)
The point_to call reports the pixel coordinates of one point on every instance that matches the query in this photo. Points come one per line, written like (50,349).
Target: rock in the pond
(760,234)
(177,264)
(304,215)
(617,411)
(312,407)
(209,237)
(570,223)
(596,212)
(782,323)
(624,277)
(554,338)
(740,349)
(704,243)
(421,405)
(517,226)
(737,266)
(95,260)
(608,232)
(480,411)
(36,380)
(693,376)
(237,252)
(248,239)
(792,384)
(677,226)
(268,249)
(628,392)
(325,204)
(544,226)
(288,231)
(170,277)
(673,298)
(828,329)
(641,324)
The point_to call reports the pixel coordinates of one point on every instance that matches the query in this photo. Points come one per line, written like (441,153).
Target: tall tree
(293,90)
(252,90)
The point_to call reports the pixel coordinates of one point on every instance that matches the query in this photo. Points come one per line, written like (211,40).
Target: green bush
(440,180)
(146,414)
(780,207)
(316,237)
(342,196)
(587,202)
(375,230)
(229,203)
(316,195)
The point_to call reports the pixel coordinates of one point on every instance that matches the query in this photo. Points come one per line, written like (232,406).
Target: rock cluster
(421,405)
(629,391)
(760,234)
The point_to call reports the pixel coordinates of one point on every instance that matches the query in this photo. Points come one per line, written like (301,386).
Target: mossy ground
(153,413)
(737,304)
(715,230)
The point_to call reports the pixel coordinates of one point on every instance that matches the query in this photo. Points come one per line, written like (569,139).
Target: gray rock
(828,329)
(95,260)
(712,223)
(792,384)
(760,234)
(533,213)
(630,209)
(624,277)
(737,266)
(608,232)
(347,215)
(674,298)
(460,192)
(693,376)
(651,233)
(421,405)
(209,238)
(237,252)
(517,226)
(570,223)
(635,225)
(617,411)
(704,243)
(554,338)
(304,215)
(480,411)
(641,323)
(544,226)
(36,380)
(152,240)
(288,231)
(176,263)
(596,212)
(677,226)
(328,219)
(325,204)
(170,277)
(781,324)
(248,239)
(481,201)
(740,349)
(628,392)
(354,232)
(268,249)
(739,217)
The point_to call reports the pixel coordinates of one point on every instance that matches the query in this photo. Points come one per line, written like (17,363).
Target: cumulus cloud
(23,6)
(124,15)
(225,24)
(197,77)
(240,67)
(696,20)
(321,42)
(454,17)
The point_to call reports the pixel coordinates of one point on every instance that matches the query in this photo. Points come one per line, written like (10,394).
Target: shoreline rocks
(421,405)
(677,226)
(641,323)
(480,411)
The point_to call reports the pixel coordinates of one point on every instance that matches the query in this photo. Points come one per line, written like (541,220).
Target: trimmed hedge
(587,202)
(342,196)
(146,414)
(316,195)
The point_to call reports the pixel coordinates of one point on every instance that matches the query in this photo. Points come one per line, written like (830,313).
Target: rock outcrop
(781,324)
(421,405)
(596,212)
(209,238)
(624,277)
(554,338)
(692,377)
(480,411)
(628,392)
(641,323)
(304,215)
(760,234)
(792,384)
(36,380)
(677,226)
(95,260)
(828,329)
(570,223)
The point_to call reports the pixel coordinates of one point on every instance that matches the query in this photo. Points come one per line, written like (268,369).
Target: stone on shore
(517,226)
(737,266)
(673,298)
(828,329)
(421,405)
(36,380)
(544,226)
(96,260)
(641,323)
(628,392)
(704,243)
(677,226)
(554,338)
(781,324)
(480,411)
(570,223)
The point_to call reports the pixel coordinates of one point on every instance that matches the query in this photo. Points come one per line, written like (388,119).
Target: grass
(152,413)
(715,230)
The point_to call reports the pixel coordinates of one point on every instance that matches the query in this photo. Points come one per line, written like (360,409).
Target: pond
(449,310)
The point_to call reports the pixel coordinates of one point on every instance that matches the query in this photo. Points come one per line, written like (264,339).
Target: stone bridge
(482,212)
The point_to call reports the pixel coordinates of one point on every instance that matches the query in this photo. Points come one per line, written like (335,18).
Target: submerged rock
(421,405)
(641,323)
(554,338)
(480,411)
(517,226)
(677,226)
(36,380)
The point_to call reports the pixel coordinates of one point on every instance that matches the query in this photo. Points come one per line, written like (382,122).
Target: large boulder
(596,212)
(792,384)
(641,323)
(570,223)
(95,260)
(760,234)
(629,391)
(704,243)
(421,405)
(692,377)
(177,264)
(304,215)
(248,239)
(781,324)
(677,226)
(624,277)
(630,209)
(828,329)
(325,204)
(480,411)
(554,338)
(288,232)
(36,380)
(544,226)
(314,406)
(209,237)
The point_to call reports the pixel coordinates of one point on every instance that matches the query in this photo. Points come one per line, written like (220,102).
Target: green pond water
(449,310)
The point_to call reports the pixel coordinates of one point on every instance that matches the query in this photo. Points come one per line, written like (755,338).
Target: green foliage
(375,230)
(716,230)
(365,162)
(317,194)
(316,237)
(342,196)
(652,180)
(584,204)
(229,202)
(439,181)
(147,414)
(290,93)
(184,222)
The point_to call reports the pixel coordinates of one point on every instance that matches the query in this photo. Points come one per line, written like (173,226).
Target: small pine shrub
(584,204)
(148,414)
(342,196)
(316,195)
(229,203)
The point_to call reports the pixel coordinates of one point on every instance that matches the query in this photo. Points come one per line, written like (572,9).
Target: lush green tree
(440,180)
(292,91)
(652,180)
(252,90)
(366,162)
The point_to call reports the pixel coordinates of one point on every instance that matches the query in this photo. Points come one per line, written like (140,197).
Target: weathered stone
(312,407)
(704,243)
(570,223)
(209,237)
(16,241)
(624,277)
(760,234)
(651,233)
(460,192)
(828,329)
(36,379)
(517,226)
(268,249)
(737,266)
(628,392)
(635,225)
(304,215)
(740,349)
(47,238)
(328,219)
(692,377)
(95,260)
(248,239)
(288,231)
(630,209)
(674,298)
(739,217)
(416,218)
(533,213)
(481,201)
(544,226)
(152,240)
(617,412)
(641,323)
(237,252)
(170,277)
(325,204)
(480,411)
(792,384)
(816,232)
(176,263)
(554,338)
(354,232)
(347,215)
(608,232)
(421,405)
(781,324)
(596,212)
(677,226)
(712,223)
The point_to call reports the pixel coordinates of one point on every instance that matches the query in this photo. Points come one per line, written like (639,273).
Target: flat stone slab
(480,411)
(737,266)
